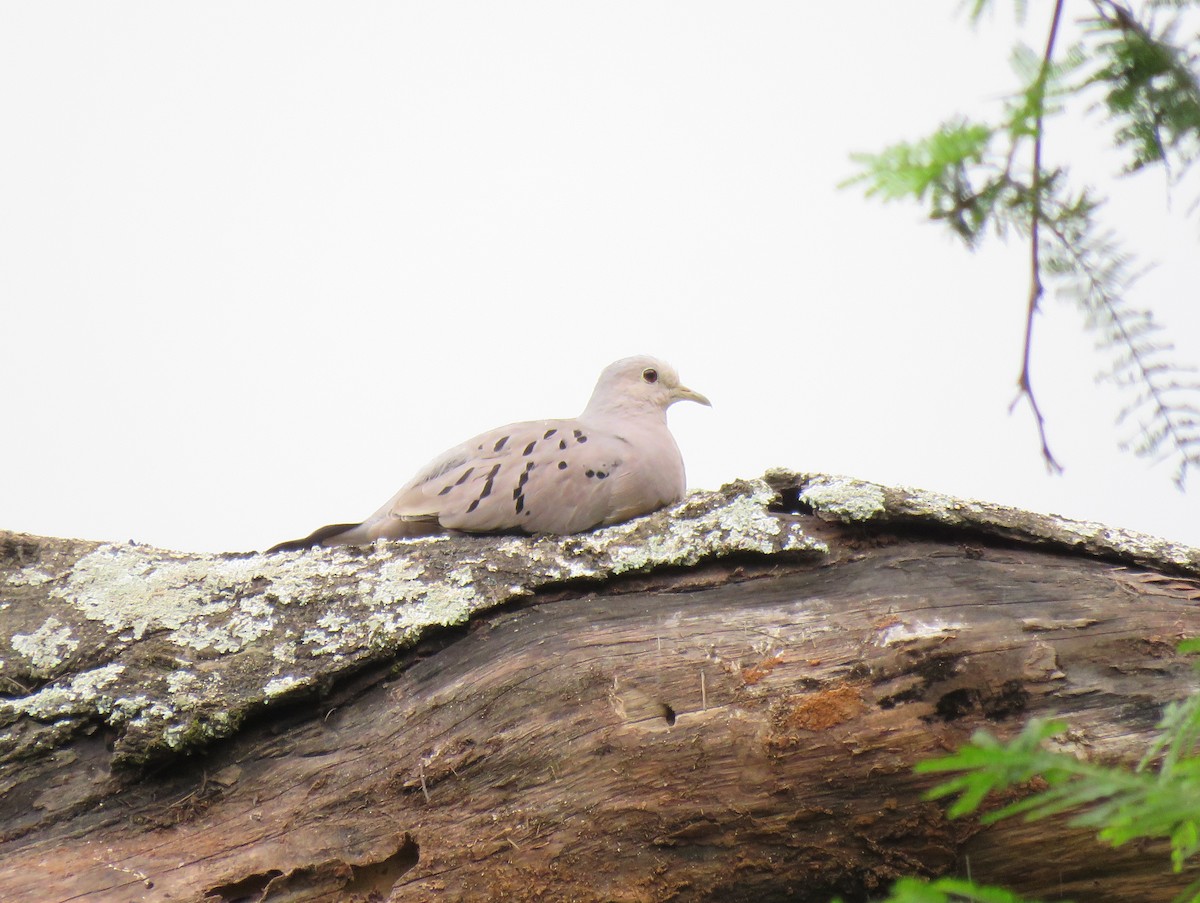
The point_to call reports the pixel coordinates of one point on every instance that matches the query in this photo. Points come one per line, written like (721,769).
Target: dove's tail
(362,534)
(329,535)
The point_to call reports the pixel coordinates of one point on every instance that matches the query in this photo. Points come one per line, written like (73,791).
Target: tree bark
(719,702)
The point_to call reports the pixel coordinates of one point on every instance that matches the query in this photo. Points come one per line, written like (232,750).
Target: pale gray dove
(615,461)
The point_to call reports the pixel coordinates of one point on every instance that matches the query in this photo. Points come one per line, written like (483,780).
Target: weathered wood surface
(737,721)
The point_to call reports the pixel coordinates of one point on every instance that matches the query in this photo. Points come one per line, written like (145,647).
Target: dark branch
(1024,382)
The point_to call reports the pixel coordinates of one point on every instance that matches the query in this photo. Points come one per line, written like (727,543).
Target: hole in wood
(375,881)
(955,704)
(668,714)
(1011,700)
(790,503)
(249,888)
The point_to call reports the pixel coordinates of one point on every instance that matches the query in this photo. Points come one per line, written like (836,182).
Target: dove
(614,462)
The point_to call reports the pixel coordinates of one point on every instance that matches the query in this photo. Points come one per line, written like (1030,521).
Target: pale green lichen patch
(281,685)
(858,501)
(28,577)
(83,693)
(133,589)
(326,636)
(208,604)
(397,580)
(742,524)
(181,683)
(162,723)
(46,647)
(845,498)
(395,600)
(733,520)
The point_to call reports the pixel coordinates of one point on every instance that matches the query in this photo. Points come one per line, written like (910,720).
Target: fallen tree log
(719,702)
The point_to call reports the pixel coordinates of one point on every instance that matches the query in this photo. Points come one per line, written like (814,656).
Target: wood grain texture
(739,730)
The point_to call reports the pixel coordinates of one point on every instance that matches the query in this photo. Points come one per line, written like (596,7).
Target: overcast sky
(260,261)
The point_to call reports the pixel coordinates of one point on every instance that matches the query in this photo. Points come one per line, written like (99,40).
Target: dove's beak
(683,393)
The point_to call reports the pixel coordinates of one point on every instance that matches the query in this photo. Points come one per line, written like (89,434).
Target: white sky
(260,261)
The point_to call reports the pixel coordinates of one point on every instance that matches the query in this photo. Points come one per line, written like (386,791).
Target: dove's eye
(650,375)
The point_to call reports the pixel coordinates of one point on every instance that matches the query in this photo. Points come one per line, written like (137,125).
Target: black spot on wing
(562,465)
(500,443)
(579,436)
(529,448)
(466,475)
(445,490)
(562,444)
(519,492)
(487,486)
(548,434)
(471,507)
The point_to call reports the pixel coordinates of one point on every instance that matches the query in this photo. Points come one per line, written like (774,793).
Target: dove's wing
(542,476)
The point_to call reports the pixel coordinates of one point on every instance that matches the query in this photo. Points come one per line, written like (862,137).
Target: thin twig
(1024,383)
(1161,408)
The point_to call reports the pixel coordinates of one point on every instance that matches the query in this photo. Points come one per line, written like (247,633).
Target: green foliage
(1056,80)
(904,170)
(975,175)
(1150,90)
(1160,798)
(1162,802)
(940,169)
(949,890)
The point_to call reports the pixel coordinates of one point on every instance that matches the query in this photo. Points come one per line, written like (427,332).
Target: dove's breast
(652,475)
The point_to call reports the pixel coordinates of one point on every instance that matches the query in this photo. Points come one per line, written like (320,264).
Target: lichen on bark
(173,650)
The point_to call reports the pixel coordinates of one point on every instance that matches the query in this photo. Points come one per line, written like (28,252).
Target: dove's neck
(623,410)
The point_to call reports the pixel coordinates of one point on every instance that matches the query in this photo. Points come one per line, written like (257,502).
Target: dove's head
(639,384)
